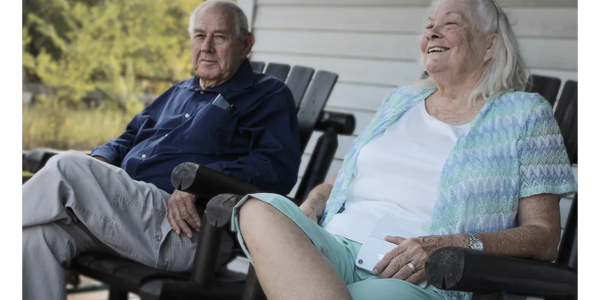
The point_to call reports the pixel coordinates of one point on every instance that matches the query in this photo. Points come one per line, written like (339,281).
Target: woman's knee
(256,215)
(253,210)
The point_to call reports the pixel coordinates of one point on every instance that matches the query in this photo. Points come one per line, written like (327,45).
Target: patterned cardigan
(512,149)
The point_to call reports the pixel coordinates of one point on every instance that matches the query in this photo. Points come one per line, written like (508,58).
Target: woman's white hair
(506,71)
(241,22)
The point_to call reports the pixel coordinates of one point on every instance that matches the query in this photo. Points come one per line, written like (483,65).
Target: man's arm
(115,150)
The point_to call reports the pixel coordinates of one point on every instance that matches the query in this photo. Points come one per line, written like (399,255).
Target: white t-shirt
(397,177)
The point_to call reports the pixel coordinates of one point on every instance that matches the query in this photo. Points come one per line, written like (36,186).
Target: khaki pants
(77,204)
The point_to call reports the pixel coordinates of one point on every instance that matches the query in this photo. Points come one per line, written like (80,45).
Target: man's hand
(182,212)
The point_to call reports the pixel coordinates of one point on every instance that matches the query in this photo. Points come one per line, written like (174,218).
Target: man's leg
(46,249)
(127,216)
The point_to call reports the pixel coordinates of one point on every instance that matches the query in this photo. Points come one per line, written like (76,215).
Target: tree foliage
(119,48)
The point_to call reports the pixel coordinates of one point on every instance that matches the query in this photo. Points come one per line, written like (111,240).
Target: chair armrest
(343,123)
(35,159)
(462,269)
(208,183)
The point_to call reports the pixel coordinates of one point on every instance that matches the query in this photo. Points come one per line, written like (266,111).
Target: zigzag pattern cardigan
(512,149)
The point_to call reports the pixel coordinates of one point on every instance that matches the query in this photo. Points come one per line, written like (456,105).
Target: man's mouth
(437,49)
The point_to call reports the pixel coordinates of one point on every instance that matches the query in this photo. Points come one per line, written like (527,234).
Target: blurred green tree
(118,49)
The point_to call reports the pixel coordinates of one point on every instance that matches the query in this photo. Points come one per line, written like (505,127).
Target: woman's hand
(398,262)
(314,205)
(310,211)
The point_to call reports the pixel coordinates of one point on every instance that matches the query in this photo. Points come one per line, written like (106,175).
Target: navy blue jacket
(254,137)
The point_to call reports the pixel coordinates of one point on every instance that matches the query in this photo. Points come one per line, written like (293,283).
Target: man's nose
(207,45)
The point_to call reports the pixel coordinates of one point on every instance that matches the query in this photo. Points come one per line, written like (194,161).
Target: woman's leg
(287,263)
(390,289)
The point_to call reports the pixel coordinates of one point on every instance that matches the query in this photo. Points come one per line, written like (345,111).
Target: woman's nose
(431,34)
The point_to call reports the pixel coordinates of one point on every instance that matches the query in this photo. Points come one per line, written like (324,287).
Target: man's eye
(429,27)
(199,36)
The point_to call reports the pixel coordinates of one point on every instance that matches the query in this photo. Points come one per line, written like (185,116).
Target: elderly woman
(464,158)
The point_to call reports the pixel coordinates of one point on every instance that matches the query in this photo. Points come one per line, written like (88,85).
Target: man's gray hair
(506,71)
(241,22)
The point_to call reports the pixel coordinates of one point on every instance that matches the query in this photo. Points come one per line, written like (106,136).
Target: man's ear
(491,40)
(247,45)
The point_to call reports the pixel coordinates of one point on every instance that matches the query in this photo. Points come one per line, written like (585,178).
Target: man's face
(217,51)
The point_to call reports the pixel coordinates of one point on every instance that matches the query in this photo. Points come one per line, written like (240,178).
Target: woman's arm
(538,234)
(536,237)
(314,205)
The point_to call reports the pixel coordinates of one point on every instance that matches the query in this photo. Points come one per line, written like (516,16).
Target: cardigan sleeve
(543,162)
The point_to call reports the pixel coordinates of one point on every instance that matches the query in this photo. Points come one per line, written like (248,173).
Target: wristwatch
(474,242)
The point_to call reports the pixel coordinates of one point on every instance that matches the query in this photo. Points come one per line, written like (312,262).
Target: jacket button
(187,115)
(143,155)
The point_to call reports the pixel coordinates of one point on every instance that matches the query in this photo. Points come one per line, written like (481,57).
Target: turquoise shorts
(341,253)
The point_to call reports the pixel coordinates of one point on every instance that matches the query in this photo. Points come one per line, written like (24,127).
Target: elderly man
(120,200)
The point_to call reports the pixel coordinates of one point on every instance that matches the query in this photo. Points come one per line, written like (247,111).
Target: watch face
(475,243)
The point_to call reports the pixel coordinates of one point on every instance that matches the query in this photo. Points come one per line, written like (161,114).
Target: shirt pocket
(209,131)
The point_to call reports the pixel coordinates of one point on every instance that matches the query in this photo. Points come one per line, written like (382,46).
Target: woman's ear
(491,40)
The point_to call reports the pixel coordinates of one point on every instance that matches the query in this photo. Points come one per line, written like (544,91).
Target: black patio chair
(546,86)
(257,66)
(279,71)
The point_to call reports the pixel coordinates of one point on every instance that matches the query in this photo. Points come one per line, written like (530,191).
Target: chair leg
(73,279)
(116,294)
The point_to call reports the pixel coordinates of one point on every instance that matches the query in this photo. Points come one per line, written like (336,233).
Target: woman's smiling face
(448,44)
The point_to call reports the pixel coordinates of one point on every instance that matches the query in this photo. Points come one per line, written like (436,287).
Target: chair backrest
(257,66)
(313,103)
(546,86)
(566,116)
(279,71)
(298,81)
